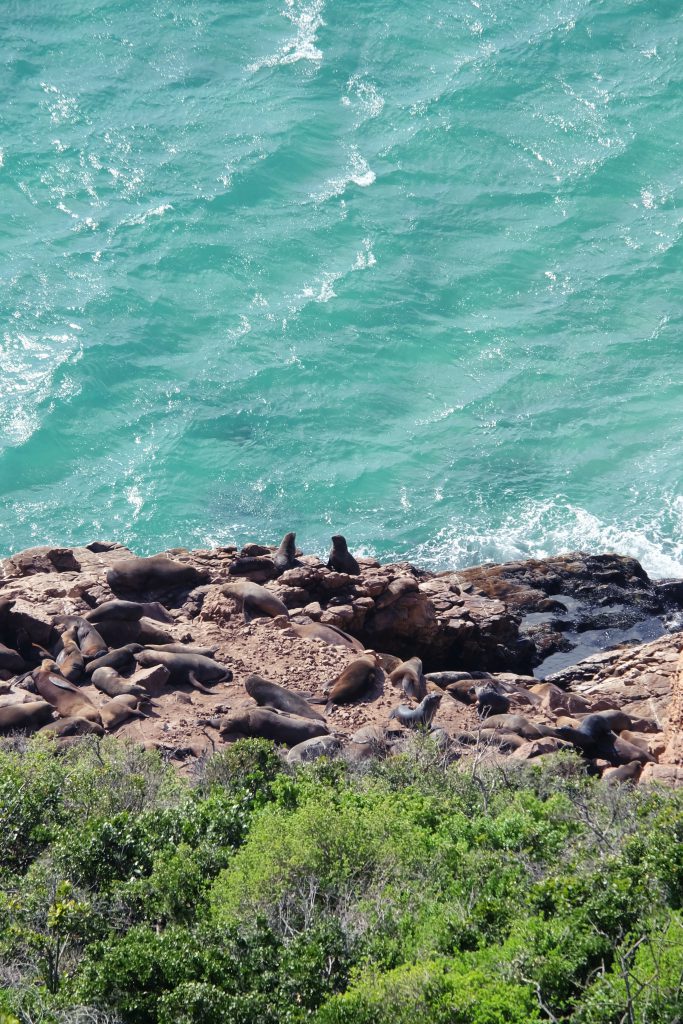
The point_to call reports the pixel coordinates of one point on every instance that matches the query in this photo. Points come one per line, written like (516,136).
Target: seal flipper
(192,679)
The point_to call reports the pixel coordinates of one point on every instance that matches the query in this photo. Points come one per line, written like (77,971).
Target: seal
(421,716)
(118,710)
(519,725)
(122,659)
(190,669)
(340,558)
(256,600)
(444,679)
(11,661)
(285,556)
(130,611)
(244,566)
(108,681)
(157,573)
(268,694)
(24,717)
(178,648)
(73,726)
(66,698)
(490,701)
(272,725)
(463,691)
(326,632)
(409,676)
(354,681)
(70,659)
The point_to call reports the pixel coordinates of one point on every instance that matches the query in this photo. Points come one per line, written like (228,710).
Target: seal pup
(24,717)
(256,600)
(107,680)
(66,698)
(285,556)
(490,701)
(410,677)
(354,681)
(74,726)
(340,558)
(419,717)
(272,725)
(190,669)
(268,694)
(121,658)
(70,661)
(328,633)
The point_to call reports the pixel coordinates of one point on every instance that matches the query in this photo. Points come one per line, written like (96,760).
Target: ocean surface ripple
(411,273)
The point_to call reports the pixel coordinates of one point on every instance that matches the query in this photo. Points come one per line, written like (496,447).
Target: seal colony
(187,651)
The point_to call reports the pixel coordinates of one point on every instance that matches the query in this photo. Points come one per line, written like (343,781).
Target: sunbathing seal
(328,633)
(119,709)
(24,717)
(272,725)
(122,659)
(409,676)
(129,611)
(107,680)
(354,681)
(340,558)
(192,669)
(256,601)
(74,726)
(419,717)
(66,698)
(490,701)
(157,573)
(271,695)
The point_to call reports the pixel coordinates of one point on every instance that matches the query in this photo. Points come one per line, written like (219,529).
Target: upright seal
(340,558)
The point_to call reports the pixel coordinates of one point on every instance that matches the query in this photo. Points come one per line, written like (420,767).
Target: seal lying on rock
(421,716)
(271,695)
(187,668)
(157,573)
(74,726)
(68,700)
(340,558)
(119,709)
(10,660)
(409,676)
(256,600)
(178,648)
(272,725)
(519,725)
(24,717)
(354,681)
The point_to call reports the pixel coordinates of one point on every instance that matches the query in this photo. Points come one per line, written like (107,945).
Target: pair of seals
(70,660)
(90,642)
(421,716)
(340,558)
(256,600)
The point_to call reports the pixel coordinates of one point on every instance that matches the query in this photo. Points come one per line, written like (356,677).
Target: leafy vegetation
(405,890)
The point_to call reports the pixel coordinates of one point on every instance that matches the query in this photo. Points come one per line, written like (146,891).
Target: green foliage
(406,890)
(433,992)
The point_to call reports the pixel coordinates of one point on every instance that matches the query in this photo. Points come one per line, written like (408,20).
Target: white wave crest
(541,529)
(307,19)
(357,172)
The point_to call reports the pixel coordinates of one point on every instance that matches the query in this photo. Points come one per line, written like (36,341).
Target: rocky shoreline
(553,642)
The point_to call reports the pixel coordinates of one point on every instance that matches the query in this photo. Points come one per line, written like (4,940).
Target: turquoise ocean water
(408,272)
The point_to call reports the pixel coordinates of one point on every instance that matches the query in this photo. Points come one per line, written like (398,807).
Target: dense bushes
(408,891)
